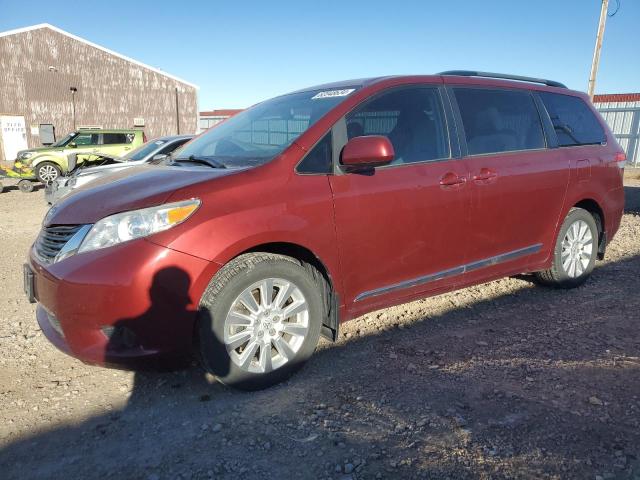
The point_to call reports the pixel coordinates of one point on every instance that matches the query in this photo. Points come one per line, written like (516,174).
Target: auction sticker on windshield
(333,93)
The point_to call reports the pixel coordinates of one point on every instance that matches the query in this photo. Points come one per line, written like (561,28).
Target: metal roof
(87,42)
(616,97)
(228,112)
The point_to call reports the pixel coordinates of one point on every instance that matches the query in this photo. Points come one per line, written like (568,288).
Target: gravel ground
(502,380)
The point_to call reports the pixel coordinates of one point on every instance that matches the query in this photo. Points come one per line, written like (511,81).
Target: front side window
(84,139)
(573,120)
(497,121)
(411,118)
(259,134)
(318,160)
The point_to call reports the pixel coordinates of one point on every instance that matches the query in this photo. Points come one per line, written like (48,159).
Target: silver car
(153,151)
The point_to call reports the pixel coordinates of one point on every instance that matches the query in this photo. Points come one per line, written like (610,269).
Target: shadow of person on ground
(170,306)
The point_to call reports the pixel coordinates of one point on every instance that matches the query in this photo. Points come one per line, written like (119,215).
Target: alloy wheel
(266,325)
(577,249)
(47,173)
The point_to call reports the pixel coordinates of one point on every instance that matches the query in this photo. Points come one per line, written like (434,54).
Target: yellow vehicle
(48,163)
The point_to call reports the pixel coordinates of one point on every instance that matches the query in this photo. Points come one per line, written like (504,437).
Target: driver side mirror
(72,145)
(367,153)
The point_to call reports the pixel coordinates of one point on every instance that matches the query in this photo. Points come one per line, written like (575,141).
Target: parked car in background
(50,162)
(319,206)
(153,151)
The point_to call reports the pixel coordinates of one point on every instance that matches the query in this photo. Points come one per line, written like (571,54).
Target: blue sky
(240,52)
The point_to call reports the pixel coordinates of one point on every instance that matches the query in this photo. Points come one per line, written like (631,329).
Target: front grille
(52,239)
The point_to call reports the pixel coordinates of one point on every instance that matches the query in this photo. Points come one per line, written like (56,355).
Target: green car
(50,162)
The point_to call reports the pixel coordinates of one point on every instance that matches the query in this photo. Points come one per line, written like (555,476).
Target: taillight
(621,159)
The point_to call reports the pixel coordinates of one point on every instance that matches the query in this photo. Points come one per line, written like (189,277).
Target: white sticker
(333,93)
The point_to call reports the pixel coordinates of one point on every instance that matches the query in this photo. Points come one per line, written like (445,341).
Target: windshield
(65,140)
(143,151)
(259,134)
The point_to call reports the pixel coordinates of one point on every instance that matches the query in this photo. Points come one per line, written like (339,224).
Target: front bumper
(132,305)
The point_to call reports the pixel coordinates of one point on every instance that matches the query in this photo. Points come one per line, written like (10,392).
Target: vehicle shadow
(486,387)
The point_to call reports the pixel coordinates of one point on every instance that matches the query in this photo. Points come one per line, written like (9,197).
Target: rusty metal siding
(38,67)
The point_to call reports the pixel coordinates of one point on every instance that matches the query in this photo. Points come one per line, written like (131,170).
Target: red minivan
(316,207)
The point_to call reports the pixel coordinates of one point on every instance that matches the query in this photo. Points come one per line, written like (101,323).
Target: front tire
(47,172)
(260,319)
(575,251)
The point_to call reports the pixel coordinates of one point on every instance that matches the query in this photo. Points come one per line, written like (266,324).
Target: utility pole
(596,52)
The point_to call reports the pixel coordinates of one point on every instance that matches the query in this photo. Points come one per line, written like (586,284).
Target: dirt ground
(502,380)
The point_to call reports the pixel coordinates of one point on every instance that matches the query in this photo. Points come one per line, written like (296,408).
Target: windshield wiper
(210,161)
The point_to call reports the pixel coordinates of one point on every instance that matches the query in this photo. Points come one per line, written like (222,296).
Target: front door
(401,230)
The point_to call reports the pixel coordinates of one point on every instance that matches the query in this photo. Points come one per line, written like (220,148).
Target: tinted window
(573,120)
(318,160)
(116,138)
(86,139)
(499,120)
(412,119)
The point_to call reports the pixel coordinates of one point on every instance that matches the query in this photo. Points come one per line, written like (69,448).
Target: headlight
(25,155)
(126,226)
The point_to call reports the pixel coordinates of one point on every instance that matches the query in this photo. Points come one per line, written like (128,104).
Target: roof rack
(520,78)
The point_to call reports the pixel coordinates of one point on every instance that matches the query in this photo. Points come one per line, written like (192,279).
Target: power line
(616,10)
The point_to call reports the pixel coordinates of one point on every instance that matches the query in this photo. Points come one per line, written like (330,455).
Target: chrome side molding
(432,277)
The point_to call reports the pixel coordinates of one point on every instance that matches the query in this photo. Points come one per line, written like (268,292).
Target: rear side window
(573,120)
(412,119)
(499,120)
(116,138)
(318,160)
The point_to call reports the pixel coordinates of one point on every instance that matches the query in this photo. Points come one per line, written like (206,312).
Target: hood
(40,149)
(112,167)
(128,189)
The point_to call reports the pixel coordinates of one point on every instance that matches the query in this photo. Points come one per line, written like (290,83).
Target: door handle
(485,175)
(451,179)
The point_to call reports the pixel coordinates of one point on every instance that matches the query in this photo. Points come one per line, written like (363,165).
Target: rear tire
(47,172)
(260,319)
(574,253)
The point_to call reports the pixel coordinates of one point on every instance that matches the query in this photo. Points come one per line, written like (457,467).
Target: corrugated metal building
(51,77)
(622,112)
